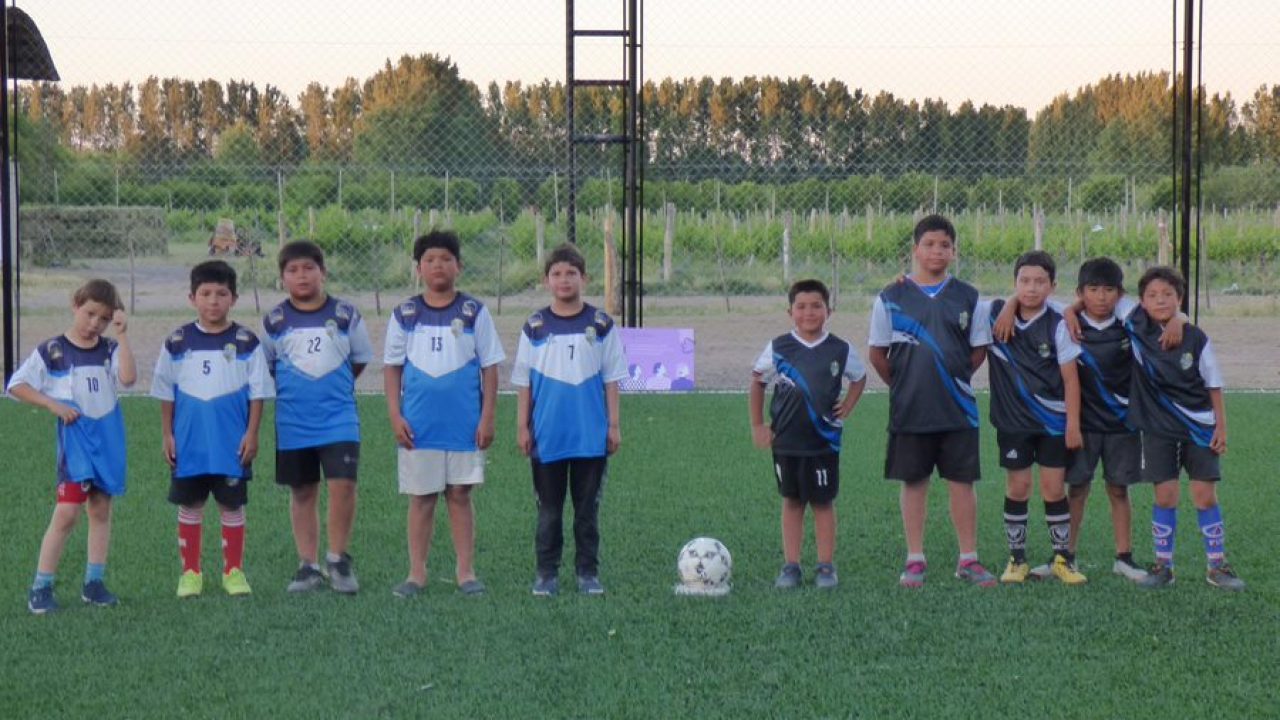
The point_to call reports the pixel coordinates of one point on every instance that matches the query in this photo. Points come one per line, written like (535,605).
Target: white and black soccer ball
(705,567)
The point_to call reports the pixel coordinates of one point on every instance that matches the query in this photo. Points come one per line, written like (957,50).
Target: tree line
(420,113)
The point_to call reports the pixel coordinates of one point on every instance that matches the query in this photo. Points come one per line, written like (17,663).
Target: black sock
(1015,528)
(1057,514)
(1125,556)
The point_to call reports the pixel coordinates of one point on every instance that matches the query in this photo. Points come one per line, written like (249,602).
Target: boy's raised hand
(1171,336)
(1071,318)
(404,433)
(1004,327)
(120,322)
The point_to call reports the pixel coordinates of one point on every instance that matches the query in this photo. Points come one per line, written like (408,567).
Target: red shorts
(74,493)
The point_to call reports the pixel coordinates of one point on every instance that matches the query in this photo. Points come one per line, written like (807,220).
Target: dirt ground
(1245,330)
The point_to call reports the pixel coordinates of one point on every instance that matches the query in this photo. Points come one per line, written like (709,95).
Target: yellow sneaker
(1015,572)
(191,584)
(1067,572)
(235,583)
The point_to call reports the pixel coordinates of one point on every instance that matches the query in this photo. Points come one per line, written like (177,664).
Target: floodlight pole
(1184,250)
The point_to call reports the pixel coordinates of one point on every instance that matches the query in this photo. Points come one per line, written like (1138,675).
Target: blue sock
(94,571)
(43,580)
(1164,526)
(1213,532)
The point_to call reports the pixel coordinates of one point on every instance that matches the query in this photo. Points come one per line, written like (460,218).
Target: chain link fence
(754,178)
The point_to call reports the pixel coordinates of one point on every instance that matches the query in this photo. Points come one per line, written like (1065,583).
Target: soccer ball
(705,567)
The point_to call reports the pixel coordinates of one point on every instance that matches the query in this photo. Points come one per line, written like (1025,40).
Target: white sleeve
(393,346)
(358,335)
(520,370)
(115,370)
(261,386)
(1210,370)
(854,370)
(1068,349)
(980,324)
(268,345)
(764,364)
(164,377)
(613,360)
(31,373)
(488,346)
(1125,307)
(881,333)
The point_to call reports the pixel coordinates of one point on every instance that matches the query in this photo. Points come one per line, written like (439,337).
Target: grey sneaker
(342,578)
(472,588)
(406,589)
(1042,572)
(546,586)
(1222,576)
(1160,575)
(590,585)
(307,579)
(974,573)
(1128,570)
(95,592)
(824,576)
(790,577)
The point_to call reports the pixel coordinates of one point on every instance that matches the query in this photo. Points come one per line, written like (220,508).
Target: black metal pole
(632,237)
(1188,40)
(6,196)
(1173,127)
(570,228)
(1195,317)
(642,155)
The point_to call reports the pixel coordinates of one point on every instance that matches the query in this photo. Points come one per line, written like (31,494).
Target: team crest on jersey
(1044,350)
(229,351)
(590,332)
(1185,361)
(835,368)
(331,326)
(535,320)
(469,309)
(455,327)
(964,319)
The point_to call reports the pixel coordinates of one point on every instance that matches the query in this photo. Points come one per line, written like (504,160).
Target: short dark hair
(99,291)
(301,250)
(565,253)
(445,239)
(1101,271)
(1036,258)
(217,272)
(1165,273)
(929,223)
(808,286)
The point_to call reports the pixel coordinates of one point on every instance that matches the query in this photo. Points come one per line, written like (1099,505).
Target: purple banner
(658,359)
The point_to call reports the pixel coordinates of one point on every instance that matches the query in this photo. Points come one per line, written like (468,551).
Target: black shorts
(229,492)
(808,478)
(1120,454)
(912,457)
(1163,458)
(1019,451)
(301,467)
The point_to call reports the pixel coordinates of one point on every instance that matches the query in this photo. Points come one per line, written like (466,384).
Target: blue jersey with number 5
(210,379)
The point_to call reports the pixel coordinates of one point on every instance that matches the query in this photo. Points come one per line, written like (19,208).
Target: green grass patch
(687,468)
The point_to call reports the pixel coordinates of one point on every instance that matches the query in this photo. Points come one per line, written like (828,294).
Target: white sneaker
(1128,571)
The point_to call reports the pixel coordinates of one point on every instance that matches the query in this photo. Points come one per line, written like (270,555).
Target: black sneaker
(40,600)
(342,578)
(95,592)
(1160,575)
(307,579)
(790,577)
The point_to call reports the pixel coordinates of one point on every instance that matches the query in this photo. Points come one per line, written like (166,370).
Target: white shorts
(427,472)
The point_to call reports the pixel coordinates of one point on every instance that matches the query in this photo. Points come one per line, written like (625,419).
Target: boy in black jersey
(1035,407)
(1176,403)
(927,338)
(807,368)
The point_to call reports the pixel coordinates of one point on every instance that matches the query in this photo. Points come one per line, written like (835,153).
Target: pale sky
(995,51)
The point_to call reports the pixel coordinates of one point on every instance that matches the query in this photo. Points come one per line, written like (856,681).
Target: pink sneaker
(912,575)
(973,573)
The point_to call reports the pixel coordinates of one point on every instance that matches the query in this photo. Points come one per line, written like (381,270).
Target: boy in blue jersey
(566,375)
(441,377)
(1035,408)
(807,368)
(211,378)
(75,377)
(1176,403)
(927,338)
(316,345)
